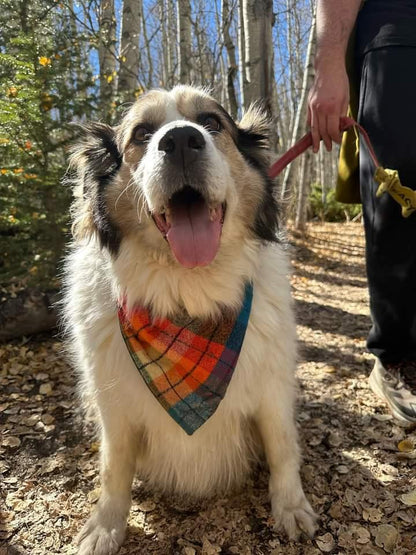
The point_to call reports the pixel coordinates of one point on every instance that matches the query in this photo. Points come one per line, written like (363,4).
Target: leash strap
(388,179)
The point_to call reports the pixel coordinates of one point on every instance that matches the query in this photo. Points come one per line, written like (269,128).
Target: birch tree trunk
(300,119)
(185,41)
(129,49)
(258,22)
(289,47)
(149,79)
(303,191)
(169,39)
(107,56)
(226,18)
(242,53)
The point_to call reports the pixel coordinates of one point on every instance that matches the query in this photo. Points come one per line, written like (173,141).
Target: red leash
(306,141)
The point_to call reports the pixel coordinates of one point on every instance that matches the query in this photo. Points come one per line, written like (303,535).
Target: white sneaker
(396,385)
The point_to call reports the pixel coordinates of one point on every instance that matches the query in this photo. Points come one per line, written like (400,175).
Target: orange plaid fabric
(187,363)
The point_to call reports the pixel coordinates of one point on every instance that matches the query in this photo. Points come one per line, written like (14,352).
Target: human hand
(327,102)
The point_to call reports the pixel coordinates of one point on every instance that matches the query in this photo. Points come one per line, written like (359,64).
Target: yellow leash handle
(389,182)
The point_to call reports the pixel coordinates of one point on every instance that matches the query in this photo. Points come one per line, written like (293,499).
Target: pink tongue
(193,237)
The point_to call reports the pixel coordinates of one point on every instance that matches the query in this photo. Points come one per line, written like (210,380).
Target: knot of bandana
(187,363)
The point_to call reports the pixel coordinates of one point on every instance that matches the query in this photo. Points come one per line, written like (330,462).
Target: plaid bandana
(187,364)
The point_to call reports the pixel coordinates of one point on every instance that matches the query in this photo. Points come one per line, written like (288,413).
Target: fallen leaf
(147,506)
(372,514)
(409,498)
(386,537)
(11,442)
(94,495)
(45,389)
(326,543)
(406,446)
(362,534)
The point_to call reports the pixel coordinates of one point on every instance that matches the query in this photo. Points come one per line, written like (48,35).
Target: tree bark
(258,22)
(303,192)
(185,41)
(107,56)
(129,50)
(149,80)
(226,18)
(242,53)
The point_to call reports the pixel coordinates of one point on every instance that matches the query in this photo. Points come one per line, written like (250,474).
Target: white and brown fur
(118,250)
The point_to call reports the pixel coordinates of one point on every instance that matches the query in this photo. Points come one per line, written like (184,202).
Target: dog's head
(179,176)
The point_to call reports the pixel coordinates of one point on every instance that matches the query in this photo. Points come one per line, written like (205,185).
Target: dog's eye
(211,123)
(141,134)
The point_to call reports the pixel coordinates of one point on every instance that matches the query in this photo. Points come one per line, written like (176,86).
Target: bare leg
(290,508)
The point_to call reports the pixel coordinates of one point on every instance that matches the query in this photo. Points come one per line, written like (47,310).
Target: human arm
(329,95)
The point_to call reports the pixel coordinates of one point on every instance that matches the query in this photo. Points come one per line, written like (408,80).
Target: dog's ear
(254,144)
(95,160)
(253,136)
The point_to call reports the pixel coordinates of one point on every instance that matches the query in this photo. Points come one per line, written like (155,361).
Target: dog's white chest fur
(218,454)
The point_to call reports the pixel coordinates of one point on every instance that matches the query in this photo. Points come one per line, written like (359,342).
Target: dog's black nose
(182,145)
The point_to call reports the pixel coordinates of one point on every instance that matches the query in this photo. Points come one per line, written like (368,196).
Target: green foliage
(41,90)
(326,208)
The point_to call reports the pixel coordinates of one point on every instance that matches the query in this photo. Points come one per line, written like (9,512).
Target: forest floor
(358,465)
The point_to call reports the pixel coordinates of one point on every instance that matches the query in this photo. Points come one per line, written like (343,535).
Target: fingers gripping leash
(388,179)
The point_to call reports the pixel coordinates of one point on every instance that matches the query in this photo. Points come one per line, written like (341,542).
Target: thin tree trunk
(107,56)
(226,18)
(129,49)
(300,120)
(149,80)
(185,41)
(258,22)
(168,42)
(303,192)
(198,33)
(289,48)
(171,43)
(242,53)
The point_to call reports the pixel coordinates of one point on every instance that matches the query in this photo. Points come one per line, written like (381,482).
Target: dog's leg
(104,531)
(290,508)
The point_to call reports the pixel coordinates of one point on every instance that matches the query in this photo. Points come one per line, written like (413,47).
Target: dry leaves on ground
(358,465)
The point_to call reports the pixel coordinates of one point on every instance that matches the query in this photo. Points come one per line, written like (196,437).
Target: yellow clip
(390,182)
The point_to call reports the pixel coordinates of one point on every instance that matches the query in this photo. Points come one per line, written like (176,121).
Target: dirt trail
(357,462)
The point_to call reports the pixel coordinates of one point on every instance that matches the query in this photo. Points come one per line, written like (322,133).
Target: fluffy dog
(175,218)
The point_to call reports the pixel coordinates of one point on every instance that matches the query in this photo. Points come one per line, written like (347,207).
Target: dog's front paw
(100,537)
(293,517)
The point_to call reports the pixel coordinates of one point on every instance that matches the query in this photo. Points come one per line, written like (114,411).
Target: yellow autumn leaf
(3,171)
(44,61)
(109,78)
(406,446)
(11,92)
(18,170)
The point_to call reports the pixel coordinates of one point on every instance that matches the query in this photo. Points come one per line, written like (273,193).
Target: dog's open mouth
(191,227)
